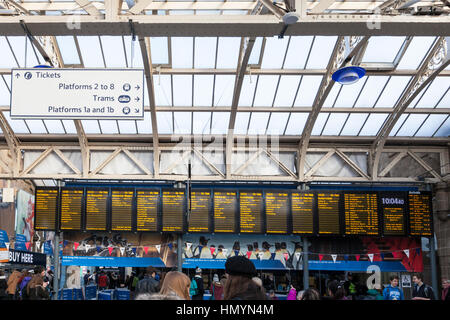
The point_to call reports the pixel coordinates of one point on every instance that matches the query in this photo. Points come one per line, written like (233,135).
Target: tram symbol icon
(126,87)
(126,110)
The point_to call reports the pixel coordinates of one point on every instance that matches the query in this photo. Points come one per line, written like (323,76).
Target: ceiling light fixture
(348,75)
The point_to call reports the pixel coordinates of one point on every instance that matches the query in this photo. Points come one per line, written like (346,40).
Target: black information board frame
(83,208)
(429,193)
(108,209)
(133,208)
(210,210)
(57,208)
(342,213)
(263,210)
(288,215)
(236,211)
(158,209)
(315,217)
(381,206)
(341,216)
(184,221)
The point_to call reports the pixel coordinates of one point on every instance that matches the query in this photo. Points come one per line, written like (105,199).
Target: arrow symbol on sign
(137,87)
(137,99)
(17,75)
(136,110)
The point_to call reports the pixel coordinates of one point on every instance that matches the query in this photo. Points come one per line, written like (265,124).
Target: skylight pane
(373,124)
(182,52)
(223,90)
(258,123)
(145,126)
(182,90)
(256,51)
(164,121)
(445,101)
(18,49)
(277,123)
(241,123)
(18,126)
(332,95)
(91,51)
(415,53)
(182,122)
(220,122)
(159,50)
(320,122)
(321,52)
(371,91)
(33,56)
(90,126)
(430,125)
(398,124)
(383,49)
(5,95)
(297,52)
(412,123)
(203,90)
(54,126)
(162,84)
(228,52)
(274,52)
(108,126)
(127,126)
(392,92)
(36,126)
(286,91)
(348,94)
(265,91)
(334,124)
(205,52)
(201,123)
(6,57)
(434,93)
(137,57)
(247,91)
(354,123)
(444,130)
(69,126)
(307,91)
(296,123)
(68,49)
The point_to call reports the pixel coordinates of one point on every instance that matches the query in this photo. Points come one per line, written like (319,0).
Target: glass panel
(182,90)
(265,91)
(434,93)
(382,49)
(163,90)
(354,123)
(108,126)
(321,52)
(203,90)
(164,121)
(5,95)
(444,130)
(445,101)
(205,52)
(90,126)
(182,122)
(33,56)
(256,51)
(296,123)
(415,53)
(247,91)
(159,50)
(36,126)
(223,90)
(182,51)
(287,89)
(54,126)
(274,52)
(334,124)
(69,126)
(220,122)
(145,126)
(18,49)
(91,51)
(137,57)
(241,123)
(277,123)
(398,124)
(331,98)
(228,52)
(258,123)
(348,94)
(297,52)
(18,126)
(412,123)
(371,91)
(307,91)
(373,124)
(392,91)
(201,123)
(320,122)
(6,57)
(68,49)
(430,125)
(127,126)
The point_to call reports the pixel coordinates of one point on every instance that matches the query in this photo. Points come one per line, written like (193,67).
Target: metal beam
(318,164)
(89,7)
(139,6)
(107,160)
(425,165)
(352,164)
(11,140)
(322,6)
(137,161)
(392,164)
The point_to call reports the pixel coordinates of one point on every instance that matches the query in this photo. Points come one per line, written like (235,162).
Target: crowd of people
(35,284)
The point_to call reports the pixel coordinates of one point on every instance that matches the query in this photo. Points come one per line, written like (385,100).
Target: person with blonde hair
(176,283)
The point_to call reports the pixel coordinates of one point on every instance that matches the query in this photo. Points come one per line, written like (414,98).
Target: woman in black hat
(239,285)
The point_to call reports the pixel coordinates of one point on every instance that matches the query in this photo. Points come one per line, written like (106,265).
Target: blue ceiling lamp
(42,66)
(348,75)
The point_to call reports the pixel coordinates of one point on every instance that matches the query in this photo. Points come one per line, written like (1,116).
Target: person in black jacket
(445,289)
(200,288)
(3,286)
(149,284)
(421,290)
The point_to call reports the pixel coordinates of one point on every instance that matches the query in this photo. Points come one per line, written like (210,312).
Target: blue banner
(48,248)
(20,238)
(96,261)
(3,236)
(220,264)
(385,266)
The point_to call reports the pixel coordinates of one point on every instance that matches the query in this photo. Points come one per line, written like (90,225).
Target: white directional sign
(49,93)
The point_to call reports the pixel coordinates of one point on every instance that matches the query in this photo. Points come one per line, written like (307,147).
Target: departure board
(302,205)
(147,210)
(199,214)
(46,206)
(277,212)
(71,209)
(328,213)
(250,204)
(173,211)
(420,214)
(122,210)
(96,209)
(393,206)
(361,214)
(225,205)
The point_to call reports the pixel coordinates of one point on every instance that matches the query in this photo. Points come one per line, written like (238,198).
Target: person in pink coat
(292,295)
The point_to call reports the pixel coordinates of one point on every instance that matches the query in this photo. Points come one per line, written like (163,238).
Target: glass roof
(194,74)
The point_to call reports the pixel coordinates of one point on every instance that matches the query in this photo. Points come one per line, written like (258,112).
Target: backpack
(102,281)
(193,289)
(135,282)
(23,285)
